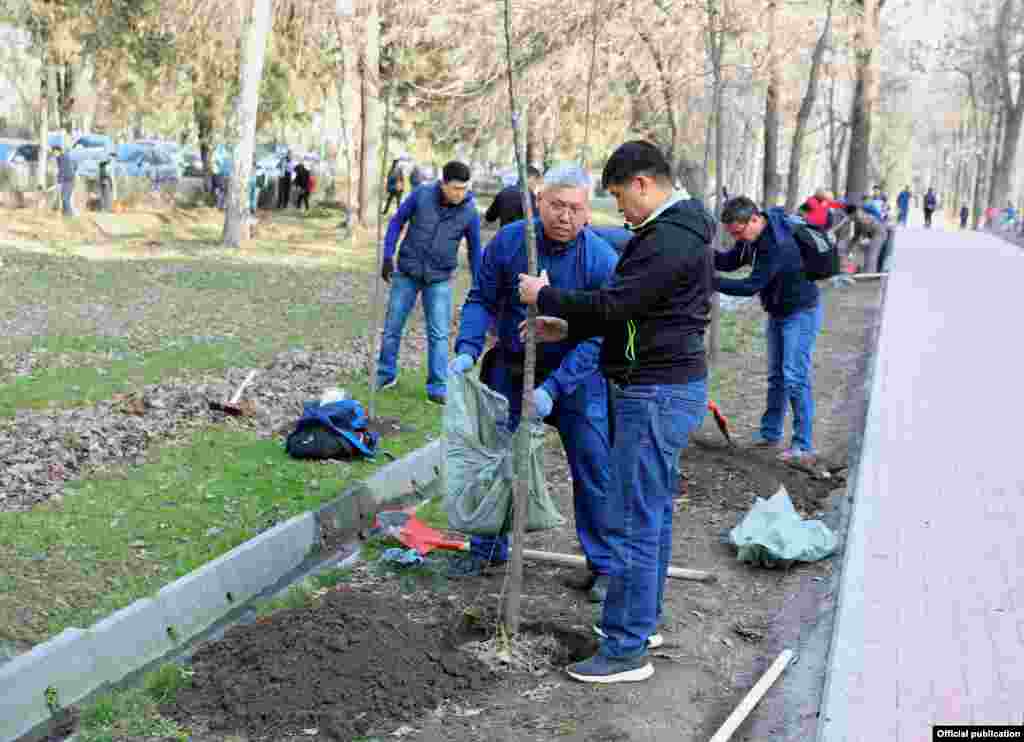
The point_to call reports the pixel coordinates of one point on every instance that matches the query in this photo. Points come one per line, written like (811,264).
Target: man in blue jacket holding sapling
(794,312)
(570,392)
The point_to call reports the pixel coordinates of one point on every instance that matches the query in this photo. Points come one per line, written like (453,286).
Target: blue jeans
(790,375)
(437,310)
(66,190)
(652,427)
(903,218)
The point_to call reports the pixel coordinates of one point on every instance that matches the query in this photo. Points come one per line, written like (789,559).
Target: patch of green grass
(432,513)
(297,596)
(86,385)
(371,549)
(128,715)
(122,536)
(163,684)
(741,332)
(331,577)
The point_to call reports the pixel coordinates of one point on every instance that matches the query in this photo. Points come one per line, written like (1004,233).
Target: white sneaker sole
(629,676)
(393,382)
(653,641)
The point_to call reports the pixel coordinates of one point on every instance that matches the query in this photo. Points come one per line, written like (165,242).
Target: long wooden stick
(573,560)
(756,693)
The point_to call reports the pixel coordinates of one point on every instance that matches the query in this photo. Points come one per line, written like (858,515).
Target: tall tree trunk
(716,42)
(65,95)
(993,164)
(369,160)
(341,85)
(771,110)
(44,118)
(981,172)
(864,99)
(804,114)
(236,210)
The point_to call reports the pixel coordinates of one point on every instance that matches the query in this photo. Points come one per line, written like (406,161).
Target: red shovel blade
(416,534)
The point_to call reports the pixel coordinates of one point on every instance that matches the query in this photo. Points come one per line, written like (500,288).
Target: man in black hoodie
(652,316)
(794,316)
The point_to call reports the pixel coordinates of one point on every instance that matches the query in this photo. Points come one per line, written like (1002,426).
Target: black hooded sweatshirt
(655,309)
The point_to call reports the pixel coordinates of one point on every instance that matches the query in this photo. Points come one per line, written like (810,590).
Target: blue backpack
(336,430)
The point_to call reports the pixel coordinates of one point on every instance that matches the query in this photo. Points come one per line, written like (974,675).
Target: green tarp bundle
(772,534)
(481,469)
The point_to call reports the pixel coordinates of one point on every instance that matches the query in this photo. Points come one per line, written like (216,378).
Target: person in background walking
(395,186)
(765,241)
(67,169)
(903,206)
(284,181)
(931,202)
(302,179)
(439,216)
(507,206)
(652,317)
(964,213)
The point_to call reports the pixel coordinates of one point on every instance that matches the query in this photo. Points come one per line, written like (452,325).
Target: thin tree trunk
(521,492)
(44,119)
(993,165)
(236,211)
(980,175)
(771,111)
(716,40)
(804,114)
(370,94)
(865,97)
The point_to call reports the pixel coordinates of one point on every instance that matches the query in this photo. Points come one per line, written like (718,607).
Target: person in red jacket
(816,208)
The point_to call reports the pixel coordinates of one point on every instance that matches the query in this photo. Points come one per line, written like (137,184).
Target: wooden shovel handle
(238,392)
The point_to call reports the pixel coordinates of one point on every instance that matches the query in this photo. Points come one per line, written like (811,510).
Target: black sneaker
(387,384)
(599,590)
(601,669)
(437,399)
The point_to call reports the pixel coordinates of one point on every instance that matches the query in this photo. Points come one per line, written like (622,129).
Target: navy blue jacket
(778,275)
(586,263)
(430,249)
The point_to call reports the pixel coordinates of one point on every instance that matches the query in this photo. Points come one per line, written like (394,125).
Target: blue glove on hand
(542,403)
(460,364)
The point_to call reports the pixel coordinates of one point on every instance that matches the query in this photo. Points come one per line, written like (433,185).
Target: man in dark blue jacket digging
(570,391)
(438,215)
(794,316)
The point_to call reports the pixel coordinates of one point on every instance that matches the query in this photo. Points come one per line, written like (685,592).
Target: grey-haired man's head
(564,204)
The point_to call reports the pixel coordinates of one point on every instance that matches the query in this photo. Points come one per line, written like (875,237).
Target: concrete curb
(78,662)
(832,721)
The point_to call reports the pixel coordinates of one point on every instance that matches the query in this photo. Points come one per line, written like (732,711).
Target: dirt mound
(342,667)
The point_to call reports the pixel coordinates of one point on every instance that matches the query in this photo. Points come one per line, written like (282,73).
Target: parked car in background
(88,150)
(143,160)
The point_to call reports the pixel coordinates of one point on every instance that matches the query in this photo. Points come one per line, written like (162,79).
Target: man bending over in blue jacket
(570,392)
(794,316)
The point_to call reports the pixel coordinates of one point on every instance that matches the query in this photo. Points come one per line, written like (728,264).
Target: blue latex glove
(542,403)
(460,364)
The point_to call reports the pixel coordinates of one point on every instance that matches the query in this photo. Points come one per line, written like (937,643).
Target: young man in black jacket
(652,316)
(794,316)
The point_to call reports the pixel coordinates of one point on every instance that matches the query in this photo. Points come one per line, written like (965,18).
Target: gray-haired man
(570,393)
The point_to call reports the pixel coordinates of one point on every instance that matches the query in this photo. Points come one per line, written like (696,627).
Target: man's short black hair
(533,172)
(738,210)
(455,172)
(636,158)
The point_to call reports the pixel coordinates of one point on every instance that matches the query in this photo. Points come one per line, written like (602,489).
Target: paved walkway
(930,623)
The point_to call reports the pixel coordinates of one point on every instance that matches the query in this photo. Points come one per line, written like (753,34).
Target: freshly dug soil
(340,667)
